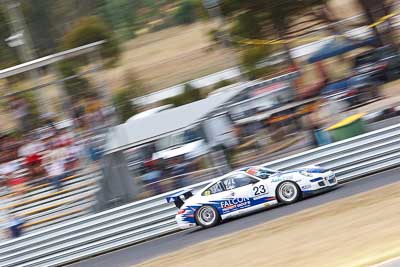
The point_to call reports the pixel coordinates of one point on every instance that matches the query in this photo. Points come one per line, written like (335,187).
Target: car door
(264,195)
(219,197)
(242,192)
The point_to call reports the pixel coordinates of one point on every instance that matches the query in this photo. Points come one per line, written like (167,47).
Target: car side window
(238,180)
(214,189)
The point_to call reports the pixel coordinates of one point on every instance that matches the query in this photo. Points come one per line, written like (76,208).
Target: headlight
(304,173)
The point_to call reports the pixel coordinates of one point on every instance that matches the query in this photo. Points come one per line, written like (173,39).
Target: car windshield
(262,173)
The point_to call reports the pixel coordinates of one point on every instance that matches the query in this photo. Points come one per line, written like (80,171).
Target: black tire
(207,216)
(288,192)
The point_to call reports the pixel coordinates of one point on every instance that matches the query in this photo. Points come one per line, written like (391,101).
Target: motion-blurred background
(104,102)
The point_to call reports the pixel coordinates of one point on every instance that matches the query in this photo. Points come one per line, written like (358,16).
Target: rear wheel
(207,216)
(288,192)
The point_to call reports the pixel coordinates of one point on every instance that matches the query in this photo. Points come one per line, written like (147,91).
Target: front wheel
(288,192)
(207,216)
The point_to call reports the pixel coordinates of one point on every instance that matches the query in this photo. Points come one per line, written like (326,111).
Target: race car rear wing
(179,197)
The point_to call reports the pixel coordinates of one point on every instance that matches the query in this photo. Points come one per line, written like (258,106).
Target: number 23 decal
(259,190)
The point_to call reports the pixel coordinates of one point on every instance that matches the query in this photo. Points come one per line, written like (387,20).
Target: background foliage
(190,94)
(122,100)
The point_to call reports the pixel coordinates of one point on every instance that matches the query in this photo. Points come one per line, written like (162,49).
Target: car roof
(228,174)
(252,167)
(224,176)
(241,170)
(244,169)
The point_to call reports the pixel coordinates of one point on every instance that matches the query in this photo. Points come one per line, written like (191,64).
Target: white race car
(246,190)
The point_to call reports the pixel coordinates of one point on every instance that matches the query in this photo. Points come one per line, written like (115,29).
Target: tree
(223,83)
(189,95)
(246,26)
(374,10)
(86,30)
(38,18)
(33,108)
(8,56)
(48,20)
(76,87)
(186,12)
(250,58)
(267,19)
(120,14)
(122,100)
(91,29)
(26,110)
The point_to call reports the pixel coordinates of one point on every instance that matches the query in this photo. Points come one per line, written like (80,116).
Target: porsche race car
(247,190)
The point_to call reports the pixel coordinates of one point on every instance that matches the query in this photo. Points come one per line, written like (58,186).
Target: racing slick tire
(207,216)
(288,192)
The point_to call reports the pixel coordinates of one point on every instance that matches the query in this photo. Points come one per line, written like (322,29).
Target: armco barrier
(153,217)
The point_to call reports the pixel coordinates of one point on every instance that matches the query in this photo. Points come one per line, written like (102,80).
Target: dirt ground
(345,8)
(171,56)
(357,231)
(391,92)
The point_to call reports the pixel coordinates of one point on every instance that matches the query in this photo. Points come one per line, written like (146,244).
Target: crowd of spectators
(35,159)
(43,157)
(159,176)
(47,153)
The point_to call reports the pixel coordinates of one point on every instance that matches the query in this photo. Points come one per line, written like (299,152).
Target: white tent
(144,130)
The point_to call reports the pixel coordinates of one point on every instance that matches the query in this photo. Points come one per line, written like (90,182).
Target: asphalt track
(145,251)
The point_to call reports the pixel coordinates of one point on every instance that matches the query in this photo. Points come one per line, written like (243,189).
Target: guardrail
(153,217)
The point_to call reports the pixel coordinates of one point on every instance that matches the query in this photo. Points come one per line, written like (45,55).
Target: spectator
(179,169)
(47,139)
(31,152)
(78,115)
(3,139)
(94,114)
(9,148)
(74,154)
(49,120)
(15,226)
(4,231)
(151,179)
(56,172)
(65,138)
(94,153)
(109,115)
(20,108)
(17,184)
(55,166)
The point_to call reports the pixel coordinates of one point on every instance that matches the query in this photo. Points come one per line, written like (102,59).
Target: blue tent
(337,47)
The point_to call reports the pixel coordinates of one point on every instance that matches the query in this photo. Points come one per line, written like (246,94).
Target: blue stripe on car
(316,179)
(189,215)
(315,170)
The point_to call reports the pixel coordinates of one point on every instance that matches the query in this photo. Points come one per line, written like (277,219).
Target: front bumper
(320,182)
(308,193)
